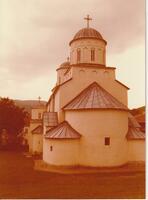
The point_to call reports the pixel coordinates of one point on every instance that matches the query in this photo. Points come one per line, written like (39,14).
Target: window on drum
(92,54)
(78,55)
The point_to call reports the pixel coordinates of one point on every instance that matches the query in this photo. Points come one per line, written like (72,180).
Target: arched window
(78,55)
(92,54)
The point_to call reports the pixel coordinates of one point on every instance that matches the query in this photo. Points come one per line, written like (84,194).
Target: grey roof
(50,119)
(65,64)
(62,131)
(37,130)
(135,133)
(94,97)
(132,122)
(87,33)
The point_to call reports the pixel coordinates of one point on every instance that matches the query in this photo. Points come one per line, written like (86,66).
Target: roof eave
(87,38)
(70,109)
(50,138)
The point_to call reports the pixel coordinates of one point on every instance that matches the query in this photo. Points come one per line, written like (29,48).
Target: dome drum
(88,46)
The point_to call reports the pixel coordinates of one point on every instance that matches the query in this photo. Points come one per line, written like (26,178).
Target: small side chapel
(35,131)
(87,121)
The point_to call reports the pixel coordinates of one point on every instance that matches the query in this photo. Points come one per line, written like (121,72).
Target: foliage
(12,117)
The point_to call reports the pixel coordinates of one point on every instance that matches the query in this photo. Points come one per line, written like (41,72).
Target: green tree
(12,117)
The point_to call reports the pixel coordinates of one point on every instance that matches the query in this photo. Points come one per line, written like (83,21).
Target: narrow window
(39,115)
(78,55)
(51,148)
(92,55)
(107,141)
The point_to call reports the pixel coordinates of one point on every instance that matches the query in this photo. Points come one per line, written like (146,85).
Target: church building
(87,121)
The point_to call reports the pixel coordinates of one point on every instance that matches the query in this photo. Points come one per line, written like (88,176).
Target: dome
(65,64)
(87,33)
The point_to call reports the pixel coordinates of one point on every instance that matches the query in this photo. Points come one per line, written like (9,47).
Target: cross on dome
(39,98)
(88,19)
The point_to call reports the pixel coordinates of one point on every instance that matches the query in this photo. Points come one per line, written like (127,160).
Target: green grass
(19,180)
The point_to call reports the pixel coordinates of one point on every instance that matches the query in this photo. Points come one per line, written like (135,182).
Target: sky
(35,36)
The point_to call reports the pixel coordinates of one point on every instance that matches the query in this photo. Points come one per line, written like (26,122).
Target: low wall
(136,150)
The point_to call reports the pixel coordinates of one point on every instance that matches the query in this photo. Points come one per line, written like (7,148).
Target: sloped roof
(50,119)
(140,118)
(135,133)
(64,65)
(62,131)
(94,97)
(132,122)
(85,33)
(88,32)
(37,130)
(122,84)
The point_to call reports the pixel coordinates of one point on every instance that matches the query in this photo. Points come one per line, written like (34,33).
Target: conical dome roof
(86,33)
(65,64)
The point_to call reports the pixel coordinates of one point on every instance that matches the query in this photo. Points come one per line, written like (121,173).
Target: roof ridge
(39,126)
(63,132)
(109,99)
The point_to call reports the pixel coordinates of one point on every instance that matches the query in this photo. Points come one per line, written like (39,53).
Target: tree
(12,117)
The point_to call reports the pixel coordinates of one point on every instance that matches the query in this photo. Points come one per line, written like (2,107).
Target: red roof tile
(94,97)
(62,131)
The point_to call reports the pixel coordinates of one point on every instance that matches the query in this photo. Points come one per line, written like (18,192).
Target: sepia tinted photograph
(72,99)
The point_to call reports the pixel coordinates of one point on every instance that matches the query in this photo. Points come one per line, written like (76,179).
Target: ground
(18,179)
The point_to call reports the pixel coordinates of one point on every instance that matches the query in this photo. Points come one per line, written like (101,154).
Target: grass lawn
(19,180)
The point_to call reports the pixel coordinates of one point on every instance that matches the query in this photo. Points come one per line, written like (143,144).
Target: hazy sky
(35,35)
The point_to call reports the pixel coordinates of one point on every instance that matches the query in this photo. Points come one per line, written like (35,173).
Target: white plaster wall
(94,126)
(104,77)
(50,106)
(65,152)
(36,111)
(136,150)
(30,136)
(85,45)
(60,75)
(57,100)
(37,143)
(82,78)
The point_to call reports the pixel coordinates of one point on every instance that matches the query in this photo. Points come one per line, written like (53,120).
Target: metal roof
(140,118)
(87,33)
(64,65)
(135,133)
(94,97)
(62,131)
(50,119)
(37,130)
(132,122)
